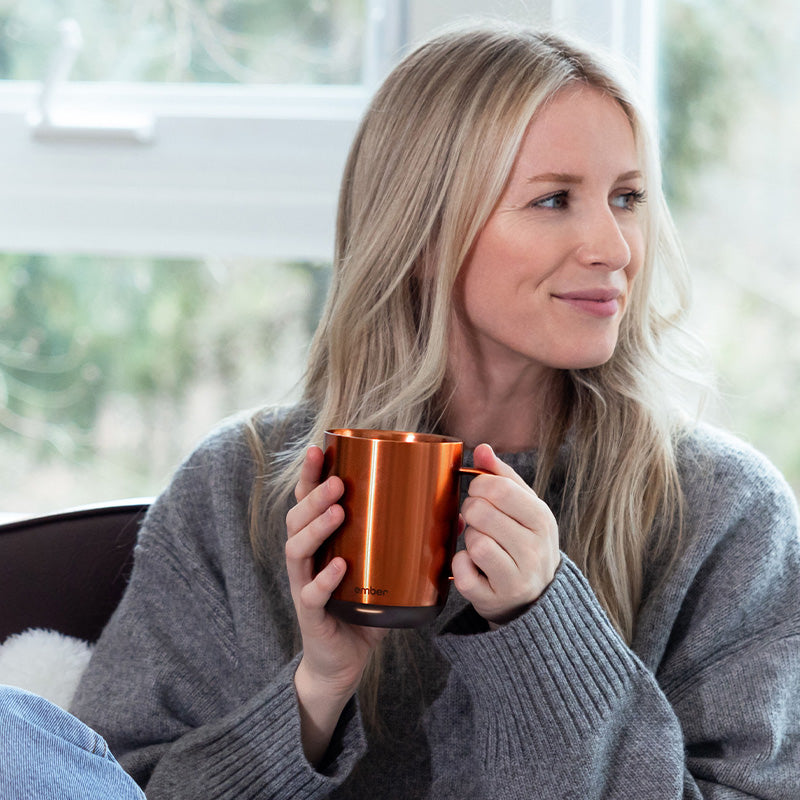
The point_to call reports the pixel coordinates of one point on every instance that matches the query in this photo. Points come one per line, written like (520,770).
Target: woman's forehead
(579,128)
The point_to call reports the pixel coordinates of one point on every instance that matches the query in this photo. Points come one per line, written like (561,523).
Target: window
(168,203)
(111,368)
(730,113)
(188,168)
(236,41)
(181,168)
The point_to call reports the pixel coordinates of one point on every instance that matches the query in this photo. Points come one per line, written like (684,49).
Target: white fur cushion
(44,662)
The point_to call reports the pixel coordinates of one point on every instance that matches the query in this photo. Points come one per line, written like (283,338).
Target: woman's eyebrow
(555,177)
(634,174)
(565,177)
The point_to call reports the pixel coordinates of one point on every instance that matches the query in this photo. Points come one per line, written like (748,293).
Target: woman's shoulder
(210,491)
(225,463)
(265,430)
(705,446)
(718,466)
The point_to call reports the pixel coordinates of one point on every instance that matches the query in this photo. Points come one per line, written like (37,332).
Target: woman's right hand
(334,652)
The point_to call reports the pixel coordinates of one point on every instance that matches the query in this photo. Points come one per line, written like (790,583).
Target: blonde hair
(428,164)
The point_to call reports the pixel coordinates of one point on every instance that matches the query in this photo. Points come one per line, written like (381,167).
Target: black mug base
(377,616)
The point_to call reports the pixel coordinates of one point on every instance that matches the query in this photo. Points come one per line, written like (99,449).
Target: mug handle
(473,471)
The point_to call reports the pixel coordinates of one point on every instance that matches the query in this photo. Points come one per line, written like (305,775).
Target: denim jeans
(47,754)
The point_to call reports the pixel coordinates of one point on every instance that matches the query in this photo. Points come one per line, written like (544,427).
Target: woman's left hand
(511,539)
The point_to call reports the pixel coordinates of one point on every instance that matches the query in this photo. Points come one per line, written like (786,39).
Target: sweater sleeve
(190,683)
(562,703)
(556,697)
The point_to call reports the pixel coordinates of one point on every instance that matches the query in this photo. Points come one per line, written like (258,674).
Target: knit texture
(192,681)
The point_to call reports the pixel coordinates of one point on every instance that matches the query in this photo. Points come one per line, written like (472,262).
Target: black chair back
(67,571)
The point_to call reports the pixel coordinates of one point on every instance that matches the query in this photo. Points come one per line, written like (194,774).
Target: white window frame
(174,170)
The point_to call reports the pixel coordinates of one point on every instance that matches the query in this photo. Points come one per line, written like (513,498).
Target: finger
(485,458)
(302,546)
(512,499)
(469,581)
(518,541)
(497,596)
(490,558)
(314,595)
(510,493)
(310,472)
(314,504)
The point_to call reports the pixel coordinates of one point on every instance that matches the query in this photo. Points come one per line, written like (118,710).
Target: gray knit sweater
(191,682)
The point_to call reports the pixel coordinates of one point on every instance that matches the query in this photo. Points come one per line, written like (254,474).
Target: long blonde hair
(427,167)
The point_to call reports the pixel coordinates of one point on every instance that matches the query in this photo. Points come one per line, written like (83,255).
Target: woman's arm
(335,654)
(193,680)
(558,695)
(707,706)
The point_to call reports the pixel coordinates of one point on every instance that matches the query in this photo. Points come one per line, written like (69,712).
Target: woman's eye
(628,200)
(556,200)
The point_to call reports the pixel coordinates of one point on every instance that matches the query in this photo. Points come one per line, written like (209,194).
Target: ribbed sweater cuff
(548,677)
(262,755)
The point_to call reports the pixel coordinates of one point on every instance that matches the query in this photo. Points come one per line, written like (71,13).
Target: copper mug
(401,501)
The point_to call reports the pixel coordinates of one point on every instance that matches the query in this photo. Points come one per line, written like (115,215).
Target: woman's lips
(600,303)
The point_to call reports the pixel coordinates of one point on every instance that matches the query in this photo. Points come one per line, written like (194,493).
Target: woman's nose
(603,244)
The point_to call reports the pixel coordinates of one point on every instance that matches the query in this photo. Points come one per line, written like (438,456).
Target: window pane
(731,114)
(222,41)
(111,370)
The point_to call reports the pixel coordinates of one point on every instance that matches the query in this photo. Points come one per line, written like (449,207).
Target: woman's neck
(508,415)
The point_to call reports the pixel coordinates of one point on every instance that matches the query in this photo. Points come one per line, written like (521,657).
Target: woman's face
(550,275)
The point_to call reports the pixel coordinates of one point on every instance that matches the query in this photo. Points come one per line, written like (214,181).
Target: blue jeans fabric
(48,754)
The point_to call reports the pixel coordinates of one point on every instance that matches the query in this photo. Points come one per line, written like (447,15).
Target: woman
(624,623)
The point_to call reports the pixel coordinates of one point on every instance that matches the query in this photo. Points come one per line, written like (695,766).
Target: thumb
(484,457)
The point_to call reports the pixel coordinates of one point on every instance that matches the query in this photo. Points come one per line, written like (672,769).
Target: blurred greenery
(74,329)
(122,363)
(221,41)
(714,55)
(730,118)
